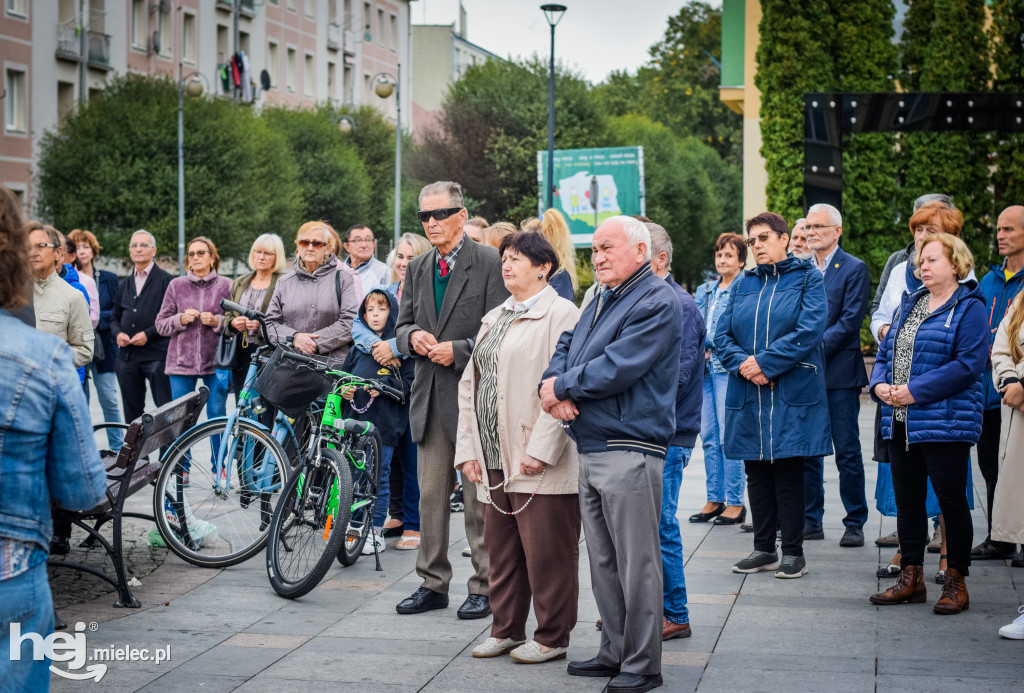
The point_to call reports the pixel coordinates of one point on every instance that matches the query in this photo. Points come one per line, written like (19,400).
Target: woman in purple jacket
(192,317)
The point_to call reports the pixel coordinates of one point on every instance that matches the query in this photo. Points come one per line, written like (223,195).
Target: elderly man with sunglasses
(447,292)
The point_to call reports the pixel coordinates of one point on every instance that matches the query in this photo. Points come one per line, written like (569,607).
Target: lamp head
(194,89)
(345,125)
(553,13)
(384,88)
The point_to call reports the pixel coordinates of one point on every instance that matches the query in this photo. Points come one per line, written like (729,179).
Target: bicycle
(220,518)
(326,511)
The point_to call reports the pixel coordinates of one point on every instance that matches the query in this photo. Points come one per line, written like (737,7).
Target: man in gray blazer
(446,293)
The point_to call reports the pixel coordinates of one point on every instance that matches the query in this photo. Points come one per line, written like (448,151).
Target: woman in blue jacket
(927,377)
(770,340)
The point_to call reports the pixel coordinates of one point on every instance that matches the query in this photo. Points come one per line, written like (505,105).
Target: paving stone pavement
(227,629)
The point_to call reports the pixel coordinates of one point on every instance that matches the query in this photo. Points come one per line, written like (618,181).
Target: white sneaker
(1015,630)
(530,653)
(377,539)
(492,647)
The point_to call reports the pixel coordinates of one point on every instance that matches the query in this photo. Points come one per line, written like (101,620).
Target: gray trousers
(620,503)
(436,475)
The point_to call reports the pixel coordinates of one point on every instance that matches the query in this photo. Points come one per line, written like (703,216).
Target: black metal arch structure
(830,116)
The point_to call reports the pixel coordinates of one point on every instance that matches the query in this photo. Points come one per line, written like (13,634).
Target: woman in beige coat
(1008,374)
(522,462)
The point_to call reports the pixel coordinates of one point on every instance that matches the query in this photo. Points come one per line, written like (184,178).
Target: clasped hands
(1013,395)
(752,372)
(425,344)
(206,318)
(563,409)
(895,396)
(528,466)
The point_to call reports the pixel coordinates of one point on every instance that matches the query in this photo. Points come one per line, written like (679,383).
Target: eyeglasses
(761,238)
(818,227)
(199,253)
(439,214)
(133,246)
(307,243)
(40,246)
(359,241)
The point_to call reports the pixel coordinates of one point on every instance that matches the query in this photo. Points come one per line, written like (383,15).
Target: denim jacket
(47,450)
(705,297)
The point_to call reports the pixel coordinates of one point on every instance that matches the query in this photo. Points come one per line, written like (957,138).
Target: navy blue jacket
(950,352)
(998,294)
(777,314)
(690,390)
(620,368)
(390,417)
(848,291)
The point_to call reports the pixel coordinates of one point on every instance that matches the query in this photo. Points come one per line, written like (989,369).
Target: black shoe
(747,526)
(457,502)
(591,667)
(423,599)
(738,520)
(635,683)
(814,533)
(853,536)
(392,532)
(989,550)
(59,546)
(1018,560)
(475,606)
(704,517)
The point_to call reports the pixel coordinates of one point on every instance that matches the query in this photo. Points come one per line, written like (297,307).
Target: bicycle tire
(304,536)
(216,527)
(365,487)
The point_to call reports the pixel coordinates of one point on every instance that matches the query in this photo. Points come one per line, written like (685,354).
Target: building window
(65,98)
(331,77)
(367,18)
(290,75)
(291,5)
(222,44)
(188,37)
(16,101)
(272,67)
(309,77)
(140,24)
(346,85)
(17,7)
(394,32)
(164,34)
(243,42)
(311,8)
(380,26)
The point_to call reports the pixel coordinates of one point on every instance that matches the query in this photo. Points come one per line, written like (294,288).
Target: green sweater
(440,287)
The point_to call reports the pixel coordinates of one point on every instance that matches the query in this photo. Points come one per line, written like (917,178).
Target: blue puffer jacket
(950,353)
(998,295)
(778,314)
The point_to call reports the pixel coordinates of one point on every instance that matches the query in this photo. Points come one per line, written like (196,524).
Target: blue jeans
(405,453)
(218,384)
(843,410)
(814,492)
(106,390)
(668,533)
(380,510)
(25,600)
(725,476)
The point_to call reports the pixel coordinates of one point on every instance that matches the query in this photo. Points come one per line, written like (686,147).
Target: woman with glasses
(769,339)
(316,302)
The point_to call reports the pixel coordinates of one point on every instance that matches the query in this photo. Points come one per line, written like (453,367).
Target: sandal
(392,528)
(410,541)
(889,571)
(940,577)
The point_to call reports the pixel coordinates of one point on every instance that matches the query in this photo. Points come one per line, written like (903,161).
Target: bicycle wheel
(364,457)
(214,511)
(309,526)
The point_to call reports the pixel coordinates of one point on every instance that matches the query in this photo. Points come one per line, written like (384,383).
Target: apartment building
(57,53)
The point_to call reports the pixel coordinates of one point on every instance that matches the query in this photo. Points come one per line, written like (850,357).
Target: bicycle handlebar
(250,314)
(391,392)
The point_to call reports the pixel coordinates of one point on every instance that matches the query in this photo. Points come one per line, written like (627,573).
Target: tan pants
(436,473)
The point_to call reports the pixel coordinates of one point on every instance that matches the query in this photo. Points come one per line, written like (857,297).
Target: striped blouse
(485,358)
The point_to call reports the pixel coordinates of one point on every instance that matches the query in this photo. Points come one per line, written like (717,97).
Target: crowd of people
(553,419)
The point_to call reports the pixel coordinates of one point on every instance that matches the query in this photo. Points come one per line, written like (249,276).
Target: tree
(1008,59)
(112,167)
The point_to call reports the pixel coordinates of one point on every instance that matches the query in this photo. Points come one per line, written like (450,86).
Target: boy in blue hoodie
(379,312)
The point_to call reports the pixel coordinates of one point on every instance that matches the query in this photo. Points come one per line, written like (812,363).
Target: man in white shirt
(360,246)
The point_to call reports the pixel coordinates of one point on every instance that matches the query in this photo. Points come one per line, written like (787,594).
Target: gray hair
(933,197)
(144,232)
(833,214)
(798,222)
(450,188)
(636,232)
(660,242)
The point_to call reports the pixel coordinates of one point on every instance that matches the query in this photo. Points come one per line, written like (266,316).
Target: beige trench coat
(1008,505)
(523,427)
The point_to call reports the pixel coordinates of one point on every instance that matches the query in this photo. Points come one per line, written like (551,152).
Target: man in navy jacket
(848,291)
(613,380)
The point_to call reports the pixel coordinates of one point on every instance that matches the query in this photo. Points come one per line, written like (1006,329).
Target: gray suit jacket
(475,288)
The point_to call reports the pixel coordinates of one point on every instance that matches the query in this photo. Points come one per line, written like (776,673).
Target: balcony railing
(333,36)
(69,42)
(99,49)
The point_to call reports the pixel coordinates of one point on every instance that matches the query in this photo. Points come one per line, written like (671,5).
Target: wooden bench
(128,471)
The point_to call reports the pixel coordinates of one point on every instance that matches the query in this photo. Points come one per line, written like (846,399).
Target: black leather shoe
(475,606)
(704,517)
(423,599)
(634,683)
(59,546)
(747,526)
(738,520)
(591,667)
(990,550)
(813,532)
(853,536)
(1018,560)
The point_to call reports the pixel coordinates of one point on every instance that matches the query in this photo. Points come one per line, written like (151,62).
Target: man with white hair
(848,291)
(798,241)
(612,381)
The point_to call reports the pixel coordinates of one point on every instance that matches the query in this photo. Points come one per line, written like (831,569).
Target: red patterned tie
(443,267)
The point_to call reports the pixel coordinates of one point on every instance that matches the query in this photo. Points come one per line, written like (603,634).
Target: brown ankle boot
(954,597)
(908,588)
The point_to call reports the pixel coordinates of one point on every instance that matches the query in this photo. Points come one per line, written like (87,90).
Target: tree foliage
(1005,34)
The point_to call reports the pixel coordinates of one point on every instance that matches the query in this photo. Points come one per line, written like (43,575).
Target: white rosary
(504,484)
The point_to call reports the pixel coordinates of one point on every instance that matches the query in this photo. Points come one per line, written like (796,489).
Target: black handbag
(99,352)
(229,352)
(290,386)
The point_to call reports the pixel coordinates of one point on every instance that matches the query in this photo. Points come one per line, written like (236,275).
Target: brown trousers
(533,554)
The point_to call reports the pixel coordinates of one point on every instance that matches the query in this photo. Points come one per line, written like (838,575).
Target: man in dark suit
(143,352)
(848,290)
(446,294)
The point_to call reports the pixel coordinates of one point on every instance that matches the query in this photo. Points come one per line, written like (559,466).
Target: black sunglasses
(439,214)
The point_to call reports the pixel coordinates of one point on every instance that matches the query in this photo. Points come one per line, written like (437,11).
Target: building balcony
(69,41)
(99,50)
(334,36)
(247,7)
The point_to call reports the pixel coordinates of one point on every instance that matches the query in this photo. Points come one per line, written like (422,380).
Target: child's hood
(389,326)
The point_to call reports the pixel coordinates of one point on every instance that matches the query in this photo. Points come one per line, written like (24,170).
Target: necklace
(504,484)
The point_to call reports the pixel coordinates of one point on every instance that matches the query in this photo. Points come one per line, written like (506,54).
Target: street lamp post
(384,85)
(194,89)
(553,13)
